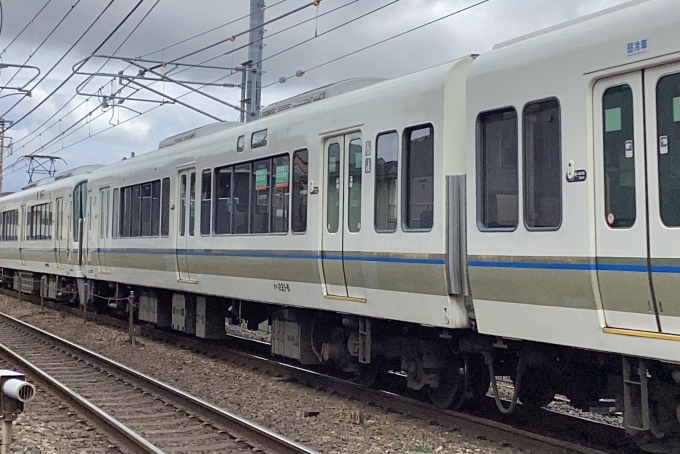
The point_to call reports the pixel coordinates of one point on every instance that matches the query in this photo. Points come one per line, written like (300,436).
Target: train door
(103,229)
(662,99)
(58,228)
(620,206)
(186,223)
(342,216)
(70,257)
(21,234)
(78,226)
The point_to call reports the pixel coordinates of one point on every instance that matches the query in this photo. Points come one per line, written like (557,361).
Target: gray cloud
(474,31)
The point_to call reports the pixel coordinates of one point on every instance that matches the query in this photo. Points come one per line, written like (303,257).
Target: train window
(418,177)
(206,197)
(182,205)
(668,132)
(165,207)
(39,222)
(300,191)
(79,208)
(114,218)
(280,193)
(10,225)
(261,186)
(104,213)
(136,211)
(223,205)
(619,166)
(241,198)
(542,165)
(497,172)
(259,139)
(333,188)
(240,143)
(155,207)
(355,166)
(125,211)
(146,209)
(59,214)
(386,178)
(192,203)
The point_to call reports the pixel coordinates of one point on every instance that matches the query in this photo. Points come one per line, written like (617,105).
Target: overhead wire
(388,39)
(87,30)
(70,76)
(479,3)
(42,43)
(146,15)
(25,27)
(145,55)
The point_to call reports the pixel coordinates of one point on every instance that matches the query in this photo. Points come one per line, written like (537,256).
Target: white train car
(512,213)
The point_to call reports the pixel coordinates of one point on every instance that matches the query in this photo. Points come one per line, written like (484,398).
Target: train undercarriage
(453,368)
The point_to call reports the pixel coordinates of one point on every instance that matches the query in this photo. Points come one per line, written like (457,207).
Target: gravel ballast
(49,426)
(274,403)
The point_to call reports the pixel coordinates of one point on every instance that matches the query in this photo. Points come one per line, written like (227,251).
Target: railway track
(140,413)
(547,434)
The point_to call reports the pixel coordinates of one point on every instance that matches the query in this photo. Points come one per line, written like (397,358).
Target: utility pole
(254,84)
(2,150)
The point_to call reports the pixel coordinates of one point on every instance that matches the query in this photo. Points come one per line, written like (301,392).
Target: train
(514,213)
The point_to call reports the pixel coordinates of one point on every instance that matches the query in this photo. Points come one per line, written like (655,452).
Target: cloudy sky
(77,129)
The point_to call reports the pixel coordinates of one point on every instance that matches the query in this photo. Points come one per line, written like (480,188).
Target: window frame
(479,174)
(262,143)
(375,182)
(292,196)
(523,185)
(404,173)
(209,172)
(240,143)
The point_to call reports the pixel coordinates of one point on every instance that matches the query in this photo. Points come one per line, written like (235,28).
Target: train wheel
(536,390)
(451,390)
(478,378)
(373,374)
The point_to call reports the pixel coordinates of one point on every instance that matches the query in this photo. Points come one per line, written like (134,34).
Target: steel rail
(489,428)
(117,431)
(237,425)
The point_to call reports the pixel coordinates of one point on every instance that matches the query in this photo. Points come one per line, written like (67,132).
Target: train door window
(136,211)
(300,191)
(104,213)
(146,209)
(280,193)
(668,132)
(155,207)
(79,208)
(542,165)
(261,186)
(355,169)
(192,203)
(241,200)
(418,177)
(386,179)
(240,143)
(165,207)
(125,211)
(333,188)
(206,201)
(182,204)
(116,204)
(619,165)
(58,219)
(223,205)
(497,170)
